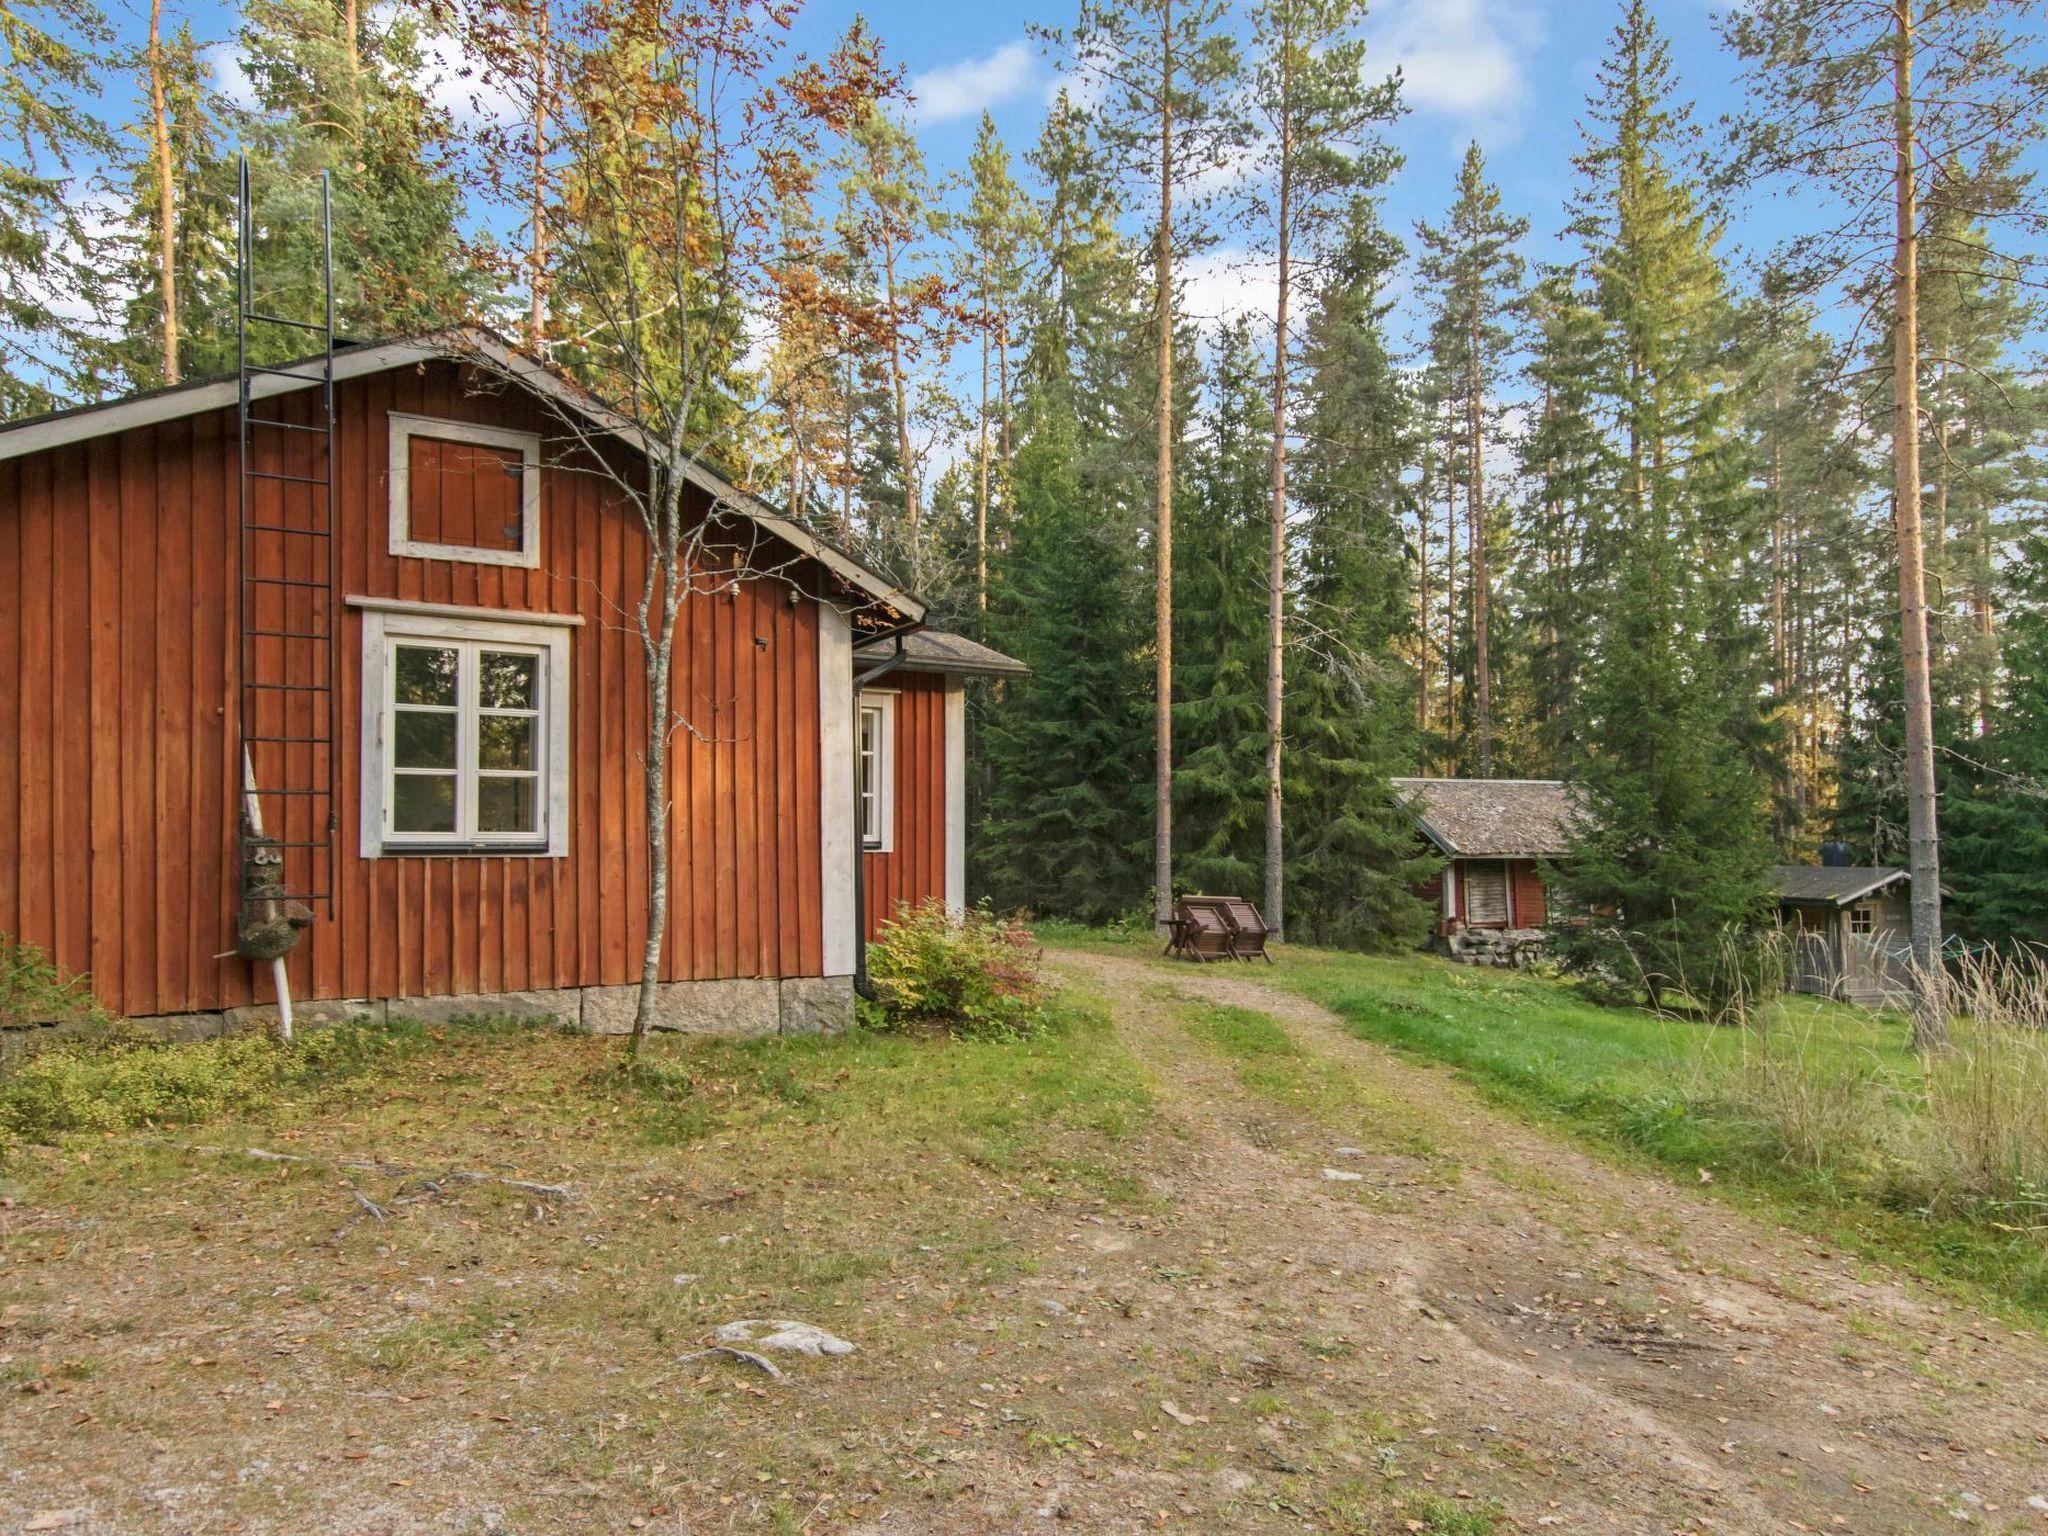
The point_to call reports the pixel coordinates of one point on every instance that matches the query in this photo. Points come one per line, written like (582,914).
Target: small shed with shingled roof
(1492,833)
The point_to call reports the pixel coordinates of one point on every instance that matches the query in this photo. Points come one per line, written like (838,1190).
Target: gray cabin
(1848,927)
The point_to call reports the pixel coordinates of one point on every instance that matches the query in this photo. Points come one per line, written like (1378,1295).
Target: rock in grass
(1342,1176)
(782,1335)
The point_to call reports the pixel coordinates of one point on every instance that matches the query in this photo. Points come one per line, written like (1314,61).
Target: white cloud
(972,85)
(1229,283)
(1459,58)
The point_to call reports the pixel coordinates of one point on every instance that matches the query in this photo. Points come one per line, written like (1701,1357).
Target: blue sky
(1512,74)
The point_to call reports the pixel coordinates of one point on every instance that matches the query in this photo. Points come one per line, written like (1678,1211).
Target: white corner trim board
(835,787)
(547,634)
(956,794)
(404,428)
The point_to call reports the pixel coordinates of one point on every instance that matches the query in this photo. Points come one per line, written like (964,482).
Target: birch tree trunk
(1930,1020)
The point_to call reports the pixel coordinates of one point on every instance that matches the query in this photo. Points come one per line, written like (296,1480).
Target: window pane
(423,802)
(423,740)
(427,674)
(505,741)
(505,680)
(507,805)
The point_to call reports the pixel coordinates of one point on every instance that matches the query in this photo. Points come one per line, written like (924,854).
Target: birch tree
(683,128)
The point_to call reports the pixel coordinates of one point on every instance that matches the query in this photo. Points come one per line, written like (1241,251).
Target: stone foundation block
(814,1005)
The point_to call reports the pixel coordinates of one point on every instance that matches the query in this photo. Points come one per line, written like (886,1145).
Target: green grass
(1822,1112)
(1272,1065)
(990,1102)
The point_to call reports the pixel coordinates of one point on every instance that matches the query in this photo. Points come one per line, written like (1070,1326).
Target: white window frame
(545,635)
(404,428)
(882,837)
(1869,916)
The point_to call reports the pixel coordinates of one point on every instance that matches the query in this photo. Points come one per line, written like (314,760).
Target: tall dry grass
(1987,1094)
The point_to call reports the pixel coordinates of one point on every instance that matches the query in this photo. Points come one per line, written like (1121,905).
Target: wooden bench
(1209,928)
(1200,931)
(1248,930)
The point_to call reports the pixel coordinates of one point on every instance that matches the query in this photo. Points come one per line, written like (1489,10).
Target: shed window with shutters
(460,491)
(465,740)
(1486,895)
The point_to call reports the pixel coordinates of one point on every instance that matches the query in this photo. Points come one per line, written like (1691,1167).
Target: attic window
(461,491)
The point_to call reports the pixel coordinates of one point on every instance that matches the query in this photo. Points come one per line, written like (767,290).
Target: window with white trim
(1862,920)
(877,771)
(464,491)
(465,735)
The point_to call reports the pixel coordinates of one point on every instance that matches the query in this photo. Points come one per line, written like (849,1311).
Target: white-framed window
(877,725)
(465,733)
(1862,920)
(460,491)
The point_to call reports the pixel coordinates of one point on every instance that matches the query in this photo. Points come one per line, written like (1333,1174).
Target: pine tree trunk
(537,274)
(166,192)
(1475,516)
(1450,597)
(1276,574)
(1162,617)
(907,468)
(981,490)
(1424,620)
(1930,1021)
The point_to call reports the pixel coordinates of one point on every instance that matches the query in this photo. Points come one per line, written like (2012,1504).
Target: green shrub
(974,974)
(34,991)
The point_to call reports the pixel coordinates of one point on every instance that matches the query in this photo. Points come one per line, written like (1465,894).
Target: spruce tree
(1474,271)
(338,88)
(49,50)
(1321,151)
(178,251)
(1670,852)
(1998,832)
(1067,811)
(1561,459)
(1354,859)
(1220,629)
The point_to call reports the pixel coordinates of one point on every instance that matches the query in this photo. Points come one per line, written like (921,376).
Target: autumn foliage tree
(681,133)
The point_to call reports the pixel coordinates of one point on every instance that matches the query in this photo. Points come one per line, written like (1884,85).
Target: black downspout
(861,985)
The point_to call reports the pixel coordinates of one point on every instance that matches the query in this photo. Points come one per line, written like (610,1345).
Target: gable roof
(942,651)
(471,344)
(1490,818)
(1832,885)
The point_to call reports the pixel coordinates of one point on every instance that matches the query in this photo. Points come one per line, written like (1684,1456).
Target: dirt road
(1594,1348)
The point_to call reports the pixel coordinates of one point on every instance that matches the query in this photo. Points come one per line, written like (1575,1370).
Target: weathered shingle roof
(939,650)
(1832,885)
(1491,818)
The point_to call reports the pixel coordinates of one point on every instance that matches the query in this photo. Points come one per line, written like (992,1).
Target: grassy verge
(1822,1111)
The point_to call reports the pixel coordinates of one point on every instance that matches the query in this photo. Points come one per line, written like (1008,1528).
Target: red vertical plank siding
(1531,909)
(11,712)
(914,869)
(119,669)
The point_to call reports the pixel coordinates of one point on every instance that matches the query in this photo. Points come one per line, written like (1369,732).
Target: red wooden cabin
(1492,834)
(464,806)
